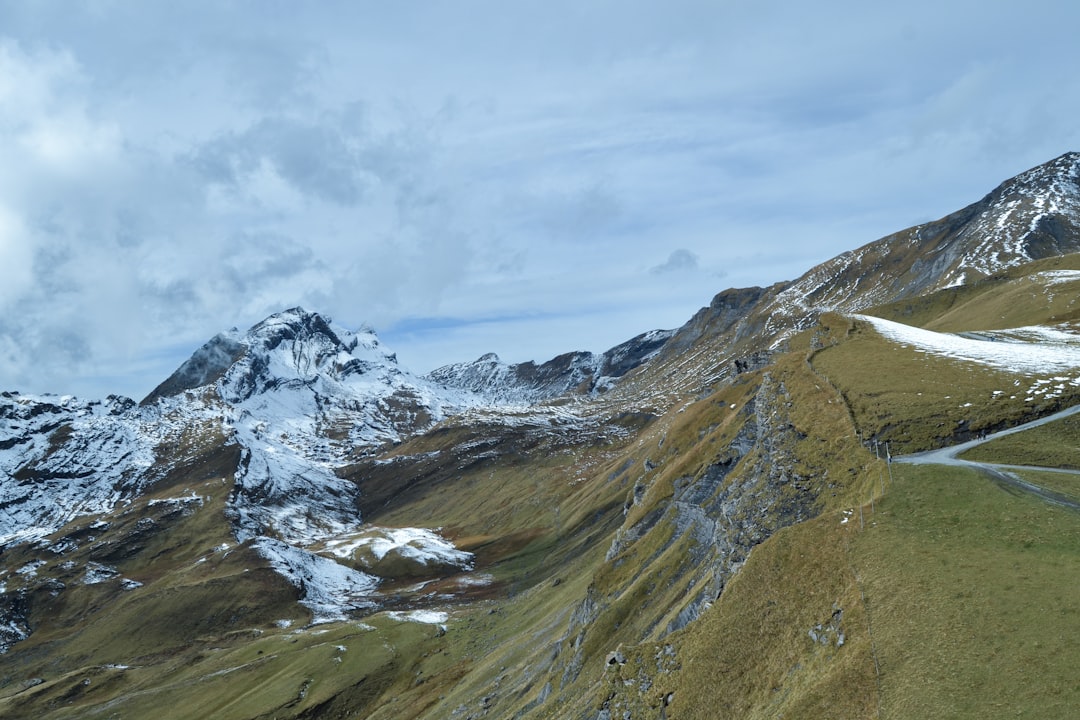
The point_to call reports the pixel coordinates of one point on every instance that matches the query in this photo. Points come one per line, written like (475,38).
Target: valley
(699,523)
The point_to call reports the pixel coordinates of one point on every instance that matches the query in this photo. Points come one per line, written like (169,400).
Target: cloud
(320,160)
(169,172)
(15,257)
(680,261)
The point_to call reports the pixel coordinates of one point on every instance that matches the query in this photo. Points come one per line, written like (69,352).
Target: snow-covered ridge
(300,398)
(1032,216)
(62,458)
(1033,350)
(1016,212)
(578,373)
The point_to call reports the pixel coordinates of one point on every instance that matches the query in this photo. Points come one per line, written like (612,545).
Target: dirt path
(999,473)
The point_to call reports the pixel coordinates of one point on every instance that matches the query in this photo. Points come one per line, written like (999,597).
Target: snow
(1028,350)
(97,467)
(303,382)
(475,580)
(177,501)
(30,569)
(999,235)
(299,397)
(956,281)
(1057,277)
(428,617)
(330,590)
(424,546)
(98,573)
(11,632)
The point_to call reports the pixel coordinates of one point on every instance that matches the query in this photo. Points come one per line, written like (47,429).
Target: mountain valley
(707,522)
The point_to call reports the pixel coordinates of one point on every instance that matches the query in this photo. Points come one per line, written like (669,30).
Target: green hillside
(741,552)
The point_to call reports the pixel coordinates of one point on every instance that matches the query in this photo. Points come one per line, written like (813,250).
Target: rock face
(727,515)
(204,367)
(576,373)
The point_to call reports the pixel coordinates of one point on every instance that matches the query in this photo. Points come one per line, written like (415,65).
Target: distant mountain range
(293,525)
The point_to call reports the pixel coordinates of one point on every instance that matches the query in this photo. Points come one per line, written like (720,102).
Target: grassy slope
(1015,298)
(970,588)
(972,598)
(1056,444)
(956,577)
(1065,484)
(750,655)
(947,591)
(917,401)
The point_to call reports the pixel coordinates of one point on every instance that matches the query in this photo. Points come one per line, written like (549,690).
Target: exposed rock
(615,657)
(572,373)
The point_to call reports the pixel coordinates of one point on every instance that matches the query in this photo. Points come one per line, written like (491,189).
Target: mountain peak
(299,325)
(573,373)
(1057,180)
(293,345)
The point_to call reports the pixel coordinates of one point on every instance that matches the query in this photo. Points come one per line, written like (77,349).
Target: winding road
(1001,474)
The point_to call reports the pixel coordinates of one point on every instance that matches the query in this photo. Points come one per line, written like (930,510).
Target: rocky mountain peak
(1031,216)
(575,373)
(304,328)
(294,346)
(1058,179)
(1028,217)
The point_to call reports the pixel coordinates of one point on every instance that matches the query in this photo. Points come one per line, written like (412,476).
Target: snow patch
(1029,350)
(30,569)
(330,590)
(419,544)
(428,617)
(98,573)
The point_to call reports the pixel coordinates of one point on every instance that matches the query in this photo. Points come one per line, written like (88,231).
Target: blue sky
(521,178)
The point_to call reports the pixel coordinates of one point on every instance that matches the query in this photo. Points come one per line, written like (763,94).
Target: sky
(465,177)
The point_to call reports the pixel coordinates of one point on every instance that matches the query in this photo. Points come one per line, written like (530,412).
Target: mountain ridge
(329,534)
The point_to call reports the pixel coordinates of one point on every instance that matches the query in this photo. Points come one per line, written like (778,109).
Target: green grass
(751,655)
(971,593)
(287,672)
(1066,484)
(1055,444)
(917,401)
(1014,298)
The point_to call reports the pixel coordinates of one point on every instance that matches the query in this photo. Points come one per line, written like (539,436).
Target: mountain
(698,523)
(1034,216)
(570,373)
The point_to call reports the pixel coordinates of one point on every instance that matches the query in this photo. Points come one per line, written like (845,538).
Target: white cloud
(170,172)
(16,257)
(680,261)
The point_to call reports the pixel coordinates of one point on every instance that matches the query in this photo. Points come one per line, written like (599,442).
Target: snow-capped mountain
(1031,216)
(579,373)
(297,396)
(62,458)
(1034,215)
